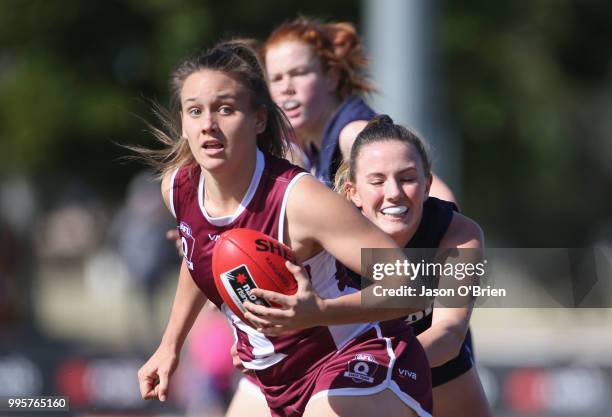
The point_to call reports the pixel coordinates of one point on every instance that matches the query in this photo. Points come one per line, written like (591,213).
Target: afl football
(244,259)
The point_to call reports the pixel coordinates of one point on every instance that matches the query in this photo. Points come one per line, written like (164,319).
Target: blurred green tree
(528,87)
(76,76)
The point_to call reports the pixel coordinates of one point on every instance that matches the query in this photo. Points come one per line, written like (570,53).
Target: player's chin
(299,123)
(393,227)
(212,164)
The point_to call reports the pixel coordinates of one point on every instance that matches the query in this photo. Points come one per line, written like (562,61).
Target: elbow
(455,346)
(448,347)
(455,338)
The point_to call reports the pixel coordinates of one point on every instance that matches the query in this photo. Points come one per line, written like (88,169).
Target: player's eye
(300,71)
(194,112)
(225,110)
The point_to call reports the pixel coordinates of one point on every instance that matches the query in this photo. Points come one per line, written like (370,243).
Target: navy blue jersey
(437,216)
(435,220)
(329,159)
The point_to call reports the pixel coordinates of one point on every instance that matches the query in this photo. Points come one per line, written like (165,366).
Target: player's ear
(351,192)
(428,186)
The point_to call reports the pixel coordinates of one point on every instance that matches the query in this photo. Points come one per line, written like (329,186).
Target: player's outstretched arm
(442,341)
(154,375)
(317,216)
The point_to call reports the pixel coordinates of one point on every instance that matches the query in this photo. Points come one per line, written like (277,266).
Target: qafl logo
(188,243)
(185,229)
(362,368)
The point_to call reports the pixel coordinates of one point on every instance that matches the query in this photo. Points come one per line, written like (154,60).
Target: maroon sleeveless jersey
(259,210)
(262,208)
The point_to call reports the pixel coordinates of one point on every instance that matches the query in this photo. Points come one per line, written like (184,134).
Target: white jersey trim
(263,348)
(408,400)
(341,333)
(260,164)
(246,385)
(390,351)
(281,217)
(172,209)
(264,363)
(338,332)
(355,392)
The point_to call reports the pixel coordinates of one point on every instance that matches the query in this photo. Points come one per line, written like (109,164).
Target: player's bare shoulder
(463,232)
(310,202)
(318,217)
(166,188)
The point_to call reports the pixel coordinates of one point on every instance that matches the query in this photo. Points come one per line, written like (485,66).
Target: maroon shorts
(385,357)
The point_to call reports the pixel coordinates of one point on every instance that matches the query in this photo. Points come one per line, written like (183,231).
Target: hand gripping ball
(244,259)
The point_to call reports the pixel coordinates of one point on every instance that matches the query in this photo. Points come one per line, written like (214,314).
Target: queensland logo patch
(238,283)
(362,368)
(188,243)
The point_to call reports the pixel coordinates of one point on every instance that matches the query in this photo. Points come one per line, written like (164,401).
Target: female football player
(316,75)
(388,177)
(222,169)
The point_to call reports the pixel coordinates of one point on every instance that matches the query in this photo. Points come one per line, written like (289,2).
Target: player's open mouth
(290,105)
(212,145)
(395,211)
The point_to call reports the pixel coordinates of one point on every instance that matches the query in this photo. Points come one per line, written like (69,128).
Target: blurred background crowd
(515,98)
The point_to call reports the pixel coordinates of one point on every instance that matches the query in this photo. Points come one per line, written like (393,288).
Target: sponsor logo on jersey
(362,368)
(241,283)
(405,373)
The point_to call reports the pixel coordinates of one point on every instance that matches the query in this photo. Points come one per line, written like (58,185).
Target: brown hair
(379,129)
(336,44)
(237,59)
